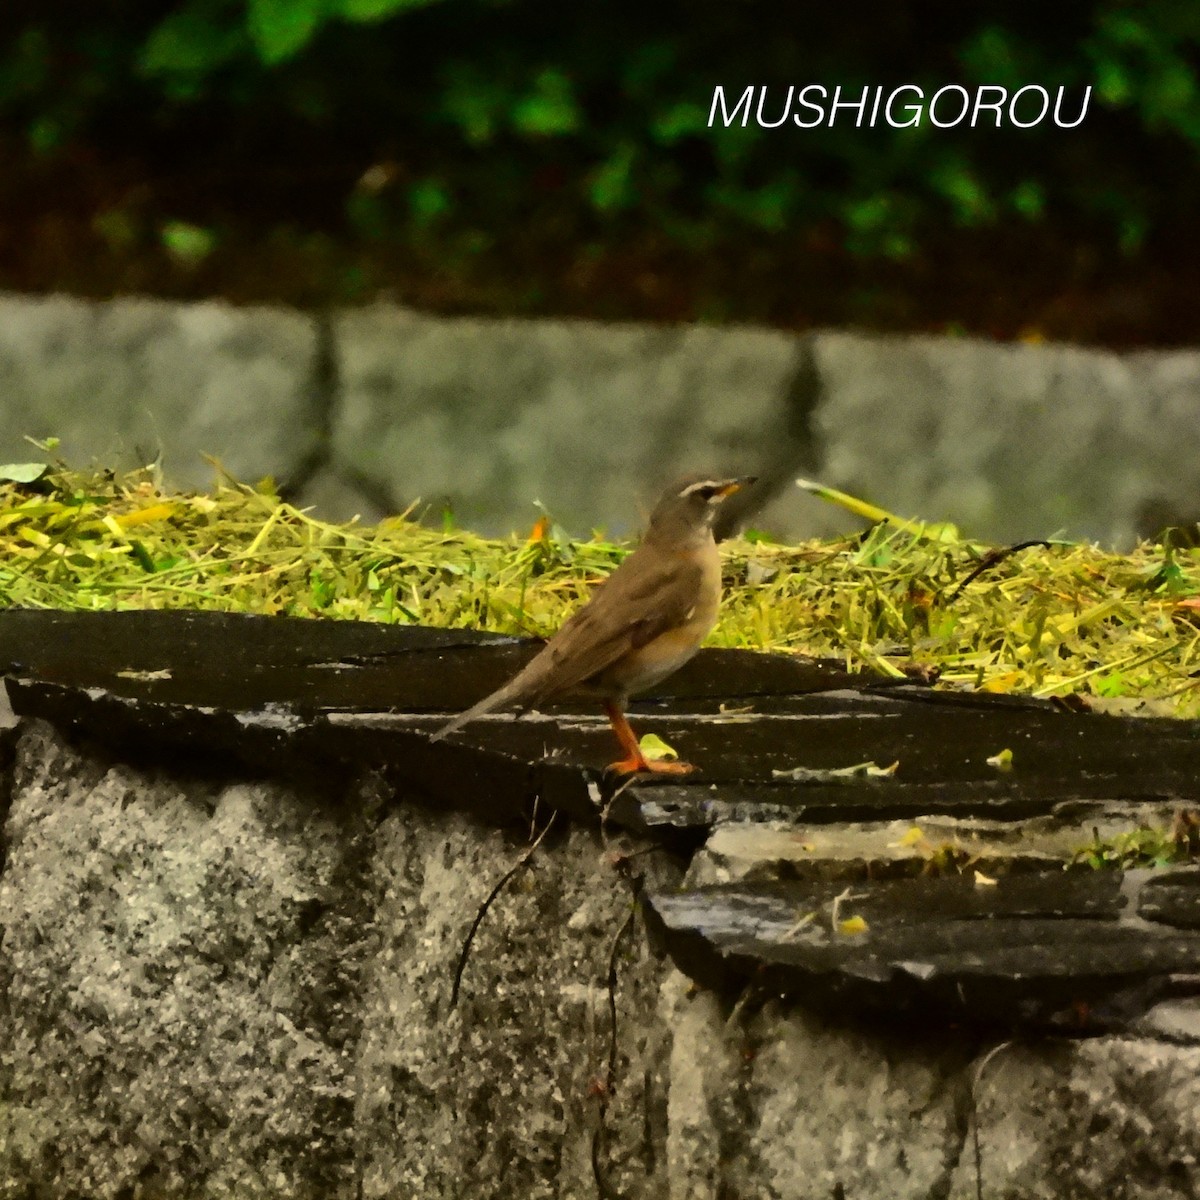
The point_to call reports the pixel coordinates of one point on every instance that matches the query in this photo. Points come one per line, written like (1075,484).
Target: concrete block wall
(368,410)
(239,989)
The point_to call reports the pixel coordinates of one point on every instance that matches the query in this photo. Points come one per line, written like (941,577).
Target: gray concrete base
(241,989)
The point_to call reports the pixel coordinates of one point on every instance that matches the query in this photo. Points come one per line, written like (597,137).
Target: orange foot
(635,762)
(634,766)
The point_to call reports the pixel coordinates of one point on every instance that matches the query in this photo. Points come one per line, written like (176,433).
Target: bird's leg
(634,759)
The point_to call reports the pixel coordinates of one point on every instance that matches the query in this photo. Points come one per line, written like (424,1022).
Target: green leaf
(21,472)
(143,556)
(1113,85)
(188,244)
(1029,198)
(280,29)
(966,194)
(188,42)
(655,749)
(768,205)
(377,10)
(474,101)
(679,121)
(869,214)
(611,186)
(429,199)
(550,108)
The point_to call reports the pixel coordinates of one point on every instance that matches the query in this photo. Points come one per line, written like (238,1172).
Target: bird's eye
(704,491)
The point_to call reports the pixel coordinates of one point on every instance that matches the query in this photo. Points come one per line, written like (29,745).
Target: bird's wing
(643,598)
(646,596)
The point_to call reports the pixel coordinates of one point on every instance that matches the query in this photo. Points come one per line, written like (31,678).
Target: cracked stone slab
(769,733)
(1080,951)
(300,694)
(737,851)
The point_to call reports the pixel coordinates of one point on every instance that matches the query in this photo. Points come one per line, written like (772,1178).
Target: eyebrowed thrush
(642,624)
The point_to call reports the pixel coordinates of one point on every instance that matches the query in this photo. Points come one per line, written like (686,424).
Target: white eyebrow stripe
(703,483)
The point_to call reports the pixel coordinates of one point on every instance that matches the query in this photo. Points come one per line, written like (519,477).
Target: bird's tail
(498,699)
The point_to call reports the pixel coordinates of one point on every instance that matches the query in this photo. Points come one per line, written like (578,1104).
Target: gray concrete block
(779,1103)
(1007,441)
(1106,1117)
(490,416)
(123,381)
(175,1021)
(231,988)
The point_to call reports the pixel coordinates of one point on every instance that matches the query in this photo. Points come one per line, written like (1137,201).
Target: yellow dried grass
(1045,620)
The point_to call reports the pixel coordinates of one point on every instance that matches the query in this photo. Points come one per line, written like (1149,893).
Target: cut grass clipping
(1048,619)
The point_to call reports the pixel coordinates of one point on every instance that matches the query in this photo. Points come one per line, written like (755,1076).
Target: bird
(640,625)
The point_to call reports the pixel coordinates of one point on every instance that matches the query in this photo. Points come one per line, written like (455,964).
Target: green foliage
(1144,59)
(611,185)
(188,244)
(548,108)
(601,112)
(1143,847)
(279,29)
(201,35)
(188,45)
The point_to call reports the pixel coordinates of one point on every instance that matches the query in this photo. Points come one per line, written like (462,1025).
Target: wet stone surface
(786,846)
(1077,952)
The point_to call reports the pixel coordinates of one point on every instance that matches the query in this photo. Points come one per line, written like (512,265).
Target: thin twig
(993,558)
(987,1058)
(627,782)
(519,865)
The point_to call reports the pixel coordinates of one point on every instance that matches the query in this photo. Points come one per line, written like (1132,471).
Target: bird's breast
(665,654)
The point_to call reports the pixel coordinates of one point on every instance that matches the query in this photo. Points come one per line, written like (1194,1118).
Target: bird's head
(687,508)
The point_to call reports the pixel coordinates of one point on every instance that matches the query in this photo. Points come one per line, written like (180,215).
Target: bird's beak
(736,485)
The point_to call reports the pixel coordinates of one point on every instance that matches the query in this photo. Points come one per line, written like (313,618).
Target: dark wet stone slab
(278,693)
(242,661)
(272,690)
(941,746)
(1173,898)
(771,736)
(1073,950)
